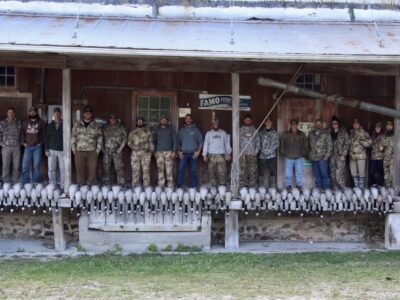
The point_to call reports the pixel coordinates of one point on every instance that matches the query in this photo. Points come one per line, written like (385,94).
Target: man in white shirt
(216,152)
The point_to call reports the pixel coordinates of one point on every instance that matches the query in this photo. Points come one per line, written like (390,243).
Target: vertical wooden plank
(232,220)
(58,226)
(396,169)
(66,112)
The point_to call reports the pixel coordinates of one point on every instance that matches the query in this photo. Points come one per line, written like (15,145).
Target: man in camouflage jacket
(86,143)
(267,162)
(375,168)
(115,139)
(359,142)
(340,149)
(250,145)
(387,146)
(320,145)
(140,140)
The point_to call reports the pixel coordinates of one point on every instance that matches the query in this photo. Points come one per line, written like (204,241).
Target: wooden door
(20,101)
(306,111)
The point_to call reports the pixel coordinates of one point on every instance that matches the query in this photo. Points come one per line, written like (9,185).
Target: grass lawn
(374,275)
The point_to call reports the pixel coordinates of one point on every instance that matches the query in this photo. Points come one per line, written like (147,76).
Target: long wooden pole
(396,167)
(232,220)
(66,110)
(58,224)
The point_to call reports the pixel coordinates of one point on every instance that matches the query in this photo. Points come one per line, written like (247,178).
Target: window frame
(16,77)
(156,93)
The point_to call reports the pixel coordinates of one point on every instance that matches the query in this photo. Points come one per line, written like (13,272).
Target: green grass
(374,275)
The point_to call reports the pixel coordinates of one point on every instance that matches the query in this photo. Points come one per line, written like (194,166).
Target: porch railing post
(232,220)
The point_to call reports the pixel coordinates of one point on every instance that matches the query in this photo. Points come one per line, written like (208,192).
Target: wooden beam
(396,168)
(60,243)
(232,220)
(67,125)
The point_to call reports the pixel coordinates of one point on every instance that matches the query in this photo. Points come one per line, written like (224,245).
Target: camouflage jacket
(269,143)
(141,139)
(88,138)
(340,146)
(320,144)
(114,136)
(388,146)
(359,141)
(246,133)
(10,133)
(376,153)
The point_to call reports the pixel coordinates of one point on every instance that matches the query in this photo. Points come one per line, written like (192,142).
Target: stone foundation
(26,225)
(333,228)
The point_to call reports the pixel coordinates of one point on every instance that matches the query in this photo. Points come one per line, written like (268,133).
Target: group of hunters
(326,148)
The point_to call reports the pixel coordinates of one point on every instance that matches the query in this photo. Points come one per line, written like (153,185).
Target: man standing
(86,143)
(294,148)
(32,138)
(388,153)
(115,138)
(216,152)
(140,140)
(10,130)
(359,142)
(340,149)
(376,172)
(165,144)
(320,150)
(190,142)
(53,146)
(269,142)
(249,148)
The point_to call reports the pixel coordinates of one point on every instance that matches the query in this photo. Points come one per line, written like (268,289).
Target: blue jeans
(297,164)
(320,170)
(32,154)
(187,158)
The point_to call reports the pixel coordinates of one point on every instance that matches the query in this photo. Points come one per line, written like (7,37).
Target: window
(152,108)
(7,77)
(309,81)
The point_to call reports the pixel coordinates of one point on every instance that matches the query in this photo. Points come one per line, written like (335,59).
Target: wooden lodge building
(148,58)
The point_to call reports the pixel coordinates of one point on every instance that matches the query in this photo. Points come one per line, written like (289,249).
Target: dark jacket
(32,132)
(189,139)
(54,137)
(294,145)
(165,139)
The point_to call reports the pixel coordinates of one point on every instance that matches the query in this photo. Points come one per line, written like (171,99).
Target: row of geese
(134,200)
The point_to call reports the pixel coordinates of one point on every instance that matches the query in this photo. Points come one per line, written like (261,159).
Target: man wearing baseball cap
(140,140)
(86,140)
(32,138)
(53,146)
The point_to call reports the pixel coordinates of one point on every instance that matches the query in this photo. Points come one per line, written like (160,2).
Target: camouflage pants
(116,160)
(140,163)
(338,172)
(388,171)
(248,171)
(216,169)
(165,165)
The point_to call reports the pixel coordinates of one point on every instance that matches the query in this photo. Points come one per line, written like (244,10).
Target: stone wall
(26,225)
(333,228)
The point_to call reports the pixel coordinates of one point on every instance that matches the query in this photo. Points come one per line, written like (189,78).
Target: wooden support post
(232,221)
(58,225)
(396,167)
(66,112)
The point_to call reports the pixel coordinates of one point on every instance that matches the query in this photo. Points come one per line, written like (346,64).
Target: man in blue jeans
(32,138)
(190,142)
(293,147)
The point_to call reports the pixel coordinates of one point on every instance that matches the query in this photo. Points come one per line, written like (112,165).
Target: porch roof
(223,40)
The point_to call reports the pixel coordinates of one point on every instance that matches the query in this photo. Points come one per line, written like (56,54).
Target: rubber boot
(361,181)
(356,181)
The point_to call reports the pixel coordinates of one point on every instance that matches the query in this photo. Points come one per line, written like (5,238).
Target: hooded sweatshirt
(32,131)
